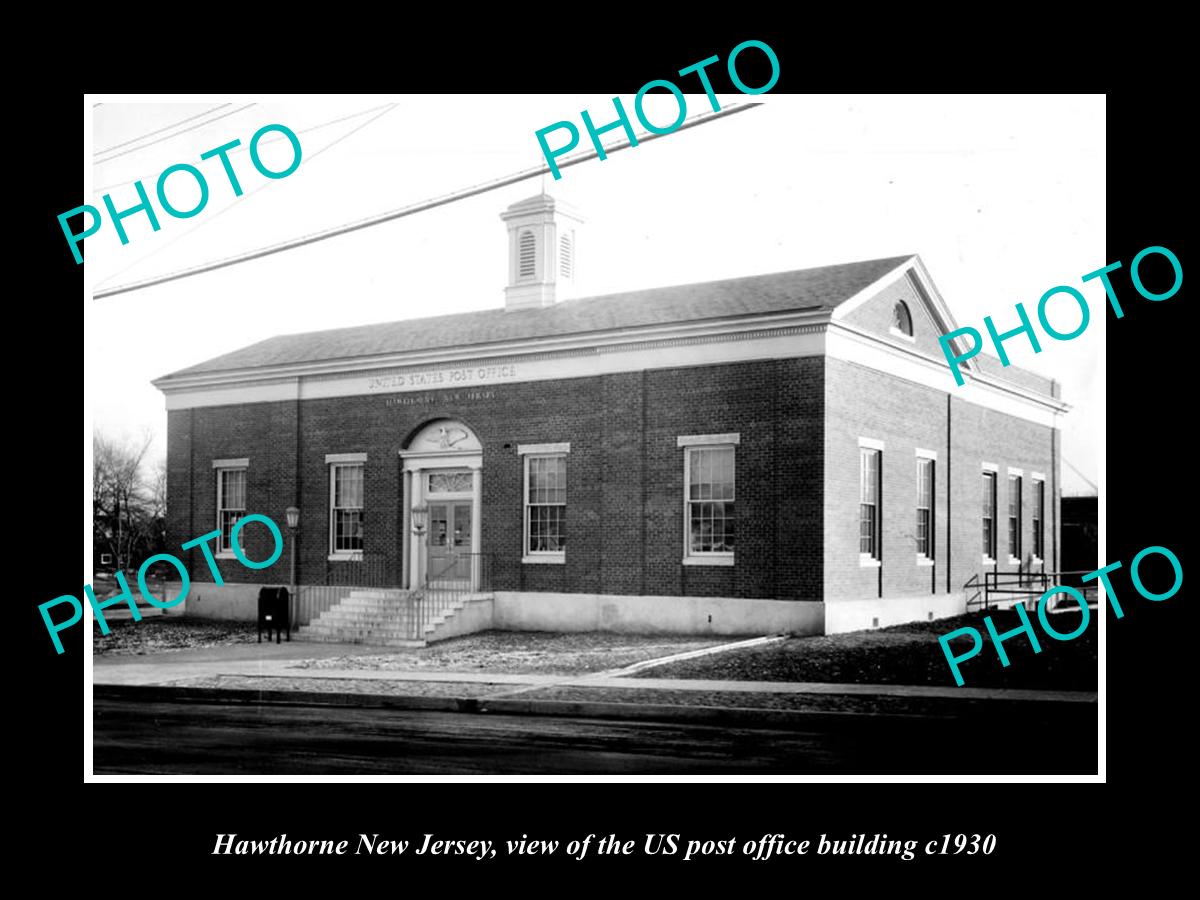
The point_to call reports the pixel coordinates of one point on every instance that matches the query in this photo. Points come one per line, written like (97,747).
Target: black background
(163,832)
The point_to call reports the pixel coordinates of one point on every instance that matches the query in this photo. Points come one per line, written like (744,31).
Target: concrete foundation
(855,615)
(523,610)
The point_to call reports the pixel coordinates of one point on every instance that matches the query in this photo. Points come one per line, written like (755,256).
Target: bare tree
(128,506)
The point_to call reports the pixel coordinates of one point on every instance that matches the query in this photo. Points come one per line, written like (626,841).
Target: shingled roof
(805,289)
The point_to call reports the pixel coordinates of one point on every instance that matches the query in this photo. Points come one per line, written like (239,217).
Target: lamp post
(293,523)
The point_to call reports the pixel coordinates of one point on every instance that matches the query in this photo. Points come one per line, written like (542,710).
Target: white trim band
(926,454)
(870,443)
(991,467)
(1020,473)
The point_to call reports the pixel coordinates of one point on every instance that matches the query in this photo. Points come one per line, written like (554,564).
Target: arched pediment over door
(444,435)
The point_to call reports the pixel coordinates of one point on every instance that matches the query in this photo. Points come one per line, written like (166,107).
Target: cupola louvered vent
(525,266)
(566,256)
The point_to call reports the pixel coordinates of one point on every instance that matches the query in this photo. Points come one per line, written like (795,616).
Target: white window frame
(688,443)
(931,456)
(871,560)
(540,451)
(220,466)
(336,461)
(1038,479)
(993,470)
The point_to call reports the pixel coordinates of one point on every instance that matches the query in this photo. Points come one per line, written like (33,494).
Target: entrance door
(449,541)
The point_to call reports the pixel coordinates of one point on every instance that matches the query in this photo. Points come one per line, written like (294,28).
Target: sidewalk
(266,673)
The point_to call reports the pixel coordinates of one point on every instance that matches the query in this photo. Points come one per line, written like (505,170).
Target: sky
(1003,197)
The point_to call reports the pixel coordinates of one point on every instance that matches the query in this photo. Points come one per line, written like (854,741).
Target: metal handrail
(1030,584)
(437,594)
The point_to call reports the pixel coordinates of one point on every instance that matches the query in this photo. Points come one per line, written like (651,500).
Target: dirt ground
(154,635)
(489,651)
(522,652)
(911,654)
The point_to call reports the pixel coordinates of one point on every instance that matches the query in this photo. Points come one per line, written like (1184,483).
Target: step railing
(447,587)
(1028,587)
(361,571)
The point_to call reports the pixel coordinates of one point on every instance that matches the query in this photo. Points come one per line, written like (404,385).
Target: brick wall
(625,476)
(982,435)
(865,403)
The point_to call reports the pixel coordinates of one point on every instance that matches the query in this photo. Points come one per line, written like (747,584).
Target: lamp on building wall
(293,523)
(420,519)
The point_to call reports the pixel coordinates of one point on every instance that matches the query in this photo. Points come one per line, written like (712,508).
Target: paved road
(213,738)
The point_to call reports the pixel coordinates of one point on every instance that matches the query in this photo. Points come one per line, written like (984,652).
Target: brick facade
(801,366)
(863,403)
(625,504)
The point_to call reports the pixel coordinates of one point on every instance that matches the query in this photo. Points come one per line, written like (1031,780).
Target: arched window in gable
(902,318)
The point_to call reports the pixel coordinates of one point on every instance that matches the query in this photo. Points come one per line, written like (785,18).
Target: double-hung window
(989,516)
(1039,517)
(231,498)
(1014,515)
(346,504)
(870,502)
(710,497)
(926,463)
(545,539)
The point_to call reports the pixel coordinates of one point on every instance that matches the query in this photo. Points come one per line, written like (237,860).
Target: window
(710,498)
(545,507)
(1014,517)
(925,533)
(525,255)
(346,508)
(1039,518)
(231,501)
(989,516)
(902,319)
(869,459)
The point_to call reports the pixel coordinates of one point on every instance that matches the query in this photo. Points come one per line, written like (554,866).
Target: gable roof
(822,288)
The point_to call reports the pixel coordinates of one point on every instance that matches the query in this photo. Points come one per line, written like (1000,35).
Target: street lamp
(293,523)
(420,519)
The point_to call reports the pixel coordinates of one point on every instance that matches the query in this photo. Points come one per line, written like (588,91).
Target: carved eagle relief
(448,437)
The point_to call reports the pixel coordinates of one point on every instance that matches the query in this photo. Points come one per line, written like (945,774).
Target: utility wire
(142,137)
(421,206)
(1081,475)
(244,197)
(241,147)
(168,137)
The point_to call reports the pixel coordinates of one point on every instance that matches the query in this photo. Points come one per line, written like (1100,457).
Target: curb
(744,717)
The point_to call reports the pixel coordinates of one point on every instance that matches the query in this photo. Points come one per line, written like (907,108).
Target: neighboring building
(777,452)
(1080,535)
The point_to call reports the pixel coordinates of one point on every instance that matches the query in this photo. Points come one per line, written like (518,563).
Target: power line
(1081,475)
(263,143)
(168,137)
(421,206)
(157,131)
(246,196)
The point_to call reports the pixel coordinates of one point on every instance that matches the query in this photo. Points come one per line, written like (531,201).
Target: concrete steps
(388,618)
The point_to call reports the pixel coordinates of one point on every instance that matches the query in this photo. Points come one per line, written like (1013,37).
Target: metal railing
(455,579)
(364,571)
(1028,587)
(974,599)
